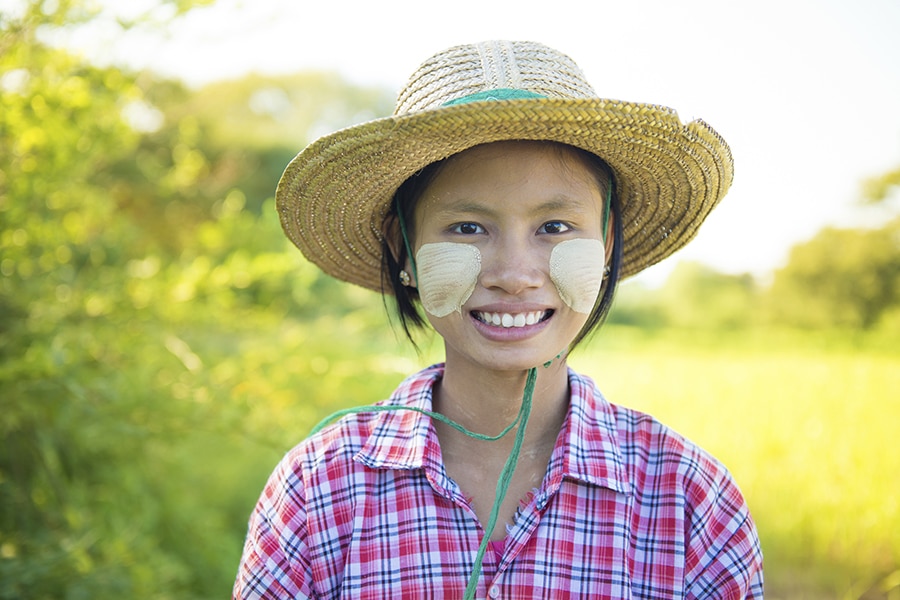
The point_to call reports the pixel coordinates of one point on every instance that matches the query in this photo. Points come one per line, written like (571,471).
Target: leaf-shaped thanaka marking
(447,273)
(576,269)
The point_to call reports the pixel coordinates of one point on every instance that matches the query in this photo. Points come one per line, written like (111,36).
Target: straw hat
(334,195)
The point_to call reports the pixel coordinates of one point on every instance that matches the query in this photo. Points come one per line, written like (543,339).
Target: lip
(507,334)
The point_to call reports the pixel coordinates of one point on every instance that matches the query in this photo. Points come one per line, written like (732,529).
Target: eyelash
(459,226)
(563,228)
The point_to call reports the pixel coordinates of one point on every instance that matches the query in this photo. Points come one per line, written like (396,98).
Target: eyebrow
(560,202)
(465,207)
(556,203)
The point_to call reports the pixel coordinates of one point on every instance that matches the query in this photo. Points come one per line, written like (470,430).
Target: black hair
(403,206)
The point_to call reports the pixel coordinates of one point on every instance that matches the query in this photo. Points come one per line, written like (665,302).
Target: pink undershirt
(497,547)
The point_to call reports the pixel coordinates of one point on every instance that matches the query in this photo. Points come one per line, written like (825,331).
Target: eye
(467,228)
(554,227)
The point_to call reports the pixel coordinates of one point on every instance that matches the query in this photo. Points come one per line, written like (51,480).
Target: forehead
(520,171)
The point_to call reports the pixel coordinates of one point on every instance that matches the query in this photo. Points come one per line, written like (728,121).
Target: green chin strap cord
(504,481)
(505,475)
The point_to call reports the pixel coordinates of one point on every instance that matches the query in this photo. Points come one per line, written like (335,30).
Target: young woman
(502,203)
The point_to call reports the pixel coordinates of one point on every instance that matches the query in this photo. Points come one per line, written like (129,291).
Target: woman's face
(509,252)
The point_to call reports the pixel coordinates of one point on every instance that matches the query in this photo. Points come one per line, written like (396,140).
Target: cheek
(576,269)
(447,274)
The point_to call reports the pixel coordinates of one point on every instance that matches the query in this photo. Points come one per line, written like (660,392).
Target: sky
(806,92)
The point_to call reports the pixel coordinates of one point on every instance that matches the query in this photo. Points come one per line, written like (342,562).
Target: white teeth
(508,320)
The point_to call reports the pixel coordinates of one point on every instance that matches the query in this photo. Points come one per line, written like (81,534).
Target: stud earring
(606,271)
(404,278)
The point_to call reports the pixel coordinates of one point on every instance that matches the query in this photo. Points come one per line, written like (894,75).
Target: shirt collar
(587,448)
(399,438)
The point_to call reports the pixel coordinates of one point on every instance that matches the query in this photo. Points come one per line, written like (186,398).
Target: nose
(513,266)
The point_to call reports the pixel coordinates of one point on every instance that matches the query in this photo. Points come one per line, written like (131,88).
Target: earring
(606,270)
(404,278)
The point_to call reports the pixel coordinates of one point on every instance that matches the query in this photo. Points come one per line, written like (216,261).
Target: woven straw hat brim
(333,196)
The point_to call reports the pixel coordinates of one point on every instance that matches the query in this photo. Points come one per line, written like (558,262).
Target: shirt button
(494,592)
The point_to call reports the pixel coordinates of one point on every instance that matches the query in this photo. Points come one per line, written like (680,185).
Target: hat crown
(465,70)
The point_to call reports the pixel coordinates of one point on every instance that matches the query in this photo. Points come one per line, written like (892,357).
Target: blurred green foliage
(153,321)
(880,187)
(845,279)
(162,344)
(842,277)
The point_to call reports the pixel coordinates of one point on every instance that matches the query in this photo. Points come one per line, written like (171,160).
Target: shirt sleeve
(724,558)
(275,561)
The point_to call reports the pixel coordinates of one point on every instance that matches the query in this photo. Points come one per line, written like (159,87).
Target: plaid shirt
(628,509)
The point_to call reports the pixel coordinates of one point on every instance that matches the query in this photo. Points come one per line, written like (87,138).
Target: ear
(392,236)
(610,238)
(394,239)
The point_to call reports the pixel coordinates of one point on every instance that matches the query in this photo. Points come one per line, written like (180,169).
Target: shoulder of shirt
(647,445)
(344,438)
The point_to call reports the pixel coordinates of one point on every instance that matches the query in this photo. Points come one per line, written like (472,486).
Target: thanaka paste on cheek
(576,269)
(447,273)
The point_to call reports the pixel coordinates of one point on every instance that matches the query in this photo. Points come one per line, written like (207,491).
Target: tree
(840,278)
(74,393)
(147,295)
(877,189)
(698,296)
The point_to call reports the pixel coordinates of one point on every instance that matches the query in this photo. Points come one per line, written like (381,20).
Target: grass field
(810,428)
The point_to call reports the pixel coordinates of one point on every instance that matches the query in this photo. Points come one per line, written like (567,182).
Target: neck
(488,402)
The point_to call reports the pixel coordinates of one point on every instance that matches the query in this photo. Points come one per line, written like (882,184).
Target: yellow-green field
(811,431)
(808,423)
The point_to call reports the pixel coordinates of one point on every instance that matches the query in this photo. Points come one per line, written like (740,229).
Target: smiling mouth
(509,320)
